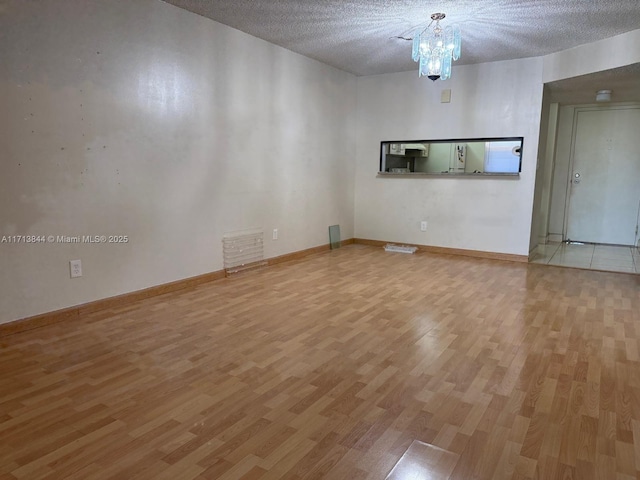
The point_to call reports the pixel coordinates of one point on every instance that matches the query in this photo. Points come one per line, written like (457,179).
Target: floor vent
(390,247)
(243,251)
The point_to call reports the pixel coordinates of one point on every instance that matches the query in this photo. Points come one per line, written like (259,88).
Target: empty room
(319,240)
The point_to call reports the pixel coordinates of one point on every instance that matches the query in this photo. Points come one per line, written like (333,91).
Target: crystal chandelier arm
(415,50)
(457,42)
(426,28)
(409,33)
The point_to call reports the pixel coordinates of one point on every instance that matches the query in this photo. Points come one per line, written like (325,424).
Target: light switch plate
(445,96)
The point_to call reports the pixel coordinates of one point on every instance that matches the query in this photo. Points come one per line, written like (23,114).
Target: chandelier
(435,47)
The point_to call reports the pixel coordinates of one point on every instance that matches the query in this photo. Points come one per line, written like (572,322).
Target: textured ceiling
(355,35)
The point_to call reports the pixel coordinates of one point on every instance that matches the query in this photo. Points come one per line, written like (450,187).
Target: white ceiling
(355,35)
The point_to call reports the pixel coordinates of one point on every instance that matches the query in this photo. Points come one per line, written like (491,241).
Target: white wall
(475,157)
(544,176)
(544,179)
(142,119)
(561,171)
(487,100)
(439,159)
(593,57)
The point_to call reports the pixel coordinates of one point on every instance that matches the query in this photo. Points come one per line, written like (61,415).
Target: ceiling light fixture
(434,47)
(603,96)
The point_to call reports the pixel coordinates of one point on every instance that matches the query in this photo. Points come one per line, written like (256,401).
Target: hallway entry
(603,191)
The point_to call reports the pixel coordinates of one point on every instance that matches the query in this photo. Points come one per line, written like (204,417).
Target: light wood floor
(334,367)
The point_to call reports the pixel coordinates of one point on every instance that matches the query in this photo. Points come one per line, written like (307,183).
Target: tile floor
(594,257)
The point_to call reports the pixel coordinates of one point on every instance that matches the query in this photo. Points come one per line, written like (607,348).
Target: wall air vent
(243,251)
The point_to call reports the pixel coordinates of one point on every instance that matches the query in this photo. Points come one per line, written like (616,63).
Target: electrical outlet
(423,226)
(275,233)
(76,268)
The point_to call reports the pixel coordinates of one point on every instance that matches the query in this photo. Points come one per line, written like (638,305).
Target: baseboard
(49,318)
(76,311)
(289,257)
(451,251)
(554,238)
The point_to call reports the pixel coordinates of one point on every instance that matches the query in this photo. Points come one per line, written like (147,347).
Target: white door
(605,179)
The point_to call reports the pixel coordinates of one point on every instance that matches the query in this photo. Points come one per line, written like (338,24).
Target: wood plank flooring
(337,367)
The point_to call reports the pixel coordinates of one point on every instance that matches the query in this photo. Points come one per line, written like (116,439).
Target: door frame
(574,128)
(637,245)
